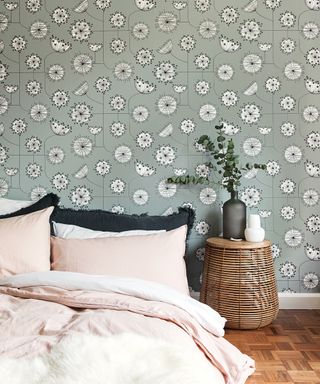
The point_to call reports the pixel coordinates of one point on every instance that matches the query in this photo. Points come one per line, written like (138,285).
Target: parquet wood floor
(286,351)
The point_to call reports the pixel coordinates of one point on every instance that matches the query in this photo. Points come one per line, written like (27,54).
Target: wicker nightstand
(238,281)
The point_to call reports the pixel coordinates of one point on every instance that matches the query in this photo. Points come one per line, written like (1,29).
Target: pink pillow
(25,243)
(157,257)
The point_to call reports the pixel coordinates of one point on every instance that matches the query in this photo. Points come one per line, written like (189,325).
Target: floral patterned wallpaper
(101,101)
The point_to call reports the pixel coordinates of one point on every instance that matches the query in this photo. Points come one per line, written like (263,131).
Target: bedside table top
(220,242)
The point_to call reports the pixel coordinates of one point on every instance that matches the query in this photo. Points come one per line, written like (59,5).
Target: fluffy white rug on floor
(120,359)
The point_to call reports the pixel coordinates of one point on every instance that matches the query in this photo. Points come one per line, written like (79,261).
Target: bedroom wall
(102,100)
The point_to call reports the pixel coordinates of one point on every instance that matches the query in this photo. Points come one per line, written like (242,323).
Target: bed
(68,321)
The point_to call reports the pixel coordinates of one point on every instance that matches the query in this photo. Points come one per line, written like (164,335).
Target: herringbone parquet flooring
(287,351)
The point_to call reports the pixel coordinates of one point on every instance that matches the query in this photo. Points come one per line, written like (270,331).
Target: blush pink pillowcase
(25,243)
(157,257)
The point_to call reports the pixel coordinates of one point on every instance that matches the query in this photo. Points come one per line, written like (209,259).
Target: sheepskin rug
(120,359)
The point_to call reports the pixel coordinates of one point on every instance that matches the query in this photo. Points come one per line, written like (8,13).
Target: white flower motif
(202,5)
(56,155)
(229,15)
(207,196)
(39,30)
(103,167)
(313,140)
(288,269)
(287,186)
(18,43)
(3,22)
(187,126)
(225,72)
(144,140)
(312,253)
(103,4)
(250,30)
(3,155)
(140,197)
(200,253)
(165,71)
(81,196)
(287,212)
(287,46)
(165,155)
(272,84)
(118,209)
(19,126)
(229,129)
(313,56)
(56,72)
(202,87)
(310,114)
(273,168)
(313,223)
(60,98)
(117,20)
(287,19)
(310,280)
(117,128)
(310,197)
(140,113)
(123,154)
(202,170)
(293,154)
(250,113)
(37,193)
(4,187)
(293,238)
(310,30)
(60,181)
(140,31)
(167,22)
(82,63)
(81,113)
(187,43)
(287,103)
(276,251)
(123,71)
(167,105)
(3,105)
(33,144)
(208,29)
(251,197)
(81,30)
(117,186)
(102,84)
(293,71)
(202,61)
(117,46)
(252,146)
(117,103)
(33,170)
(288,129)
(202,227)
(82,146)
(145,57)
(252,63)
(60,15)
(207,112)
(167,190)
(38,112)
(272,4)
(229,98)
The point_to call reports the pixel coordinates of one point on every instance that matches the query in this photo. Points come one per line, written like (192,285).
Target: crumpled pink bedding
(36,316)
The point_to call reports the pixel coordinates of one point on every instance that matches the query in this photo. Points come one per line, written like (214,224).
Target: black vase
(234,217)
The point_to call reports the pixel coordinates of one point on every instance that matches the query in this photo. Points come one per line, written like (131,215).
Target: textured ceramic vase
(254,232)
(234,217)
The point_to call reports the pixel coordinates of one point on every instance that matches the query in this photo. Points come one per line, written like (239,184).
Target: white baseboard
(299,300)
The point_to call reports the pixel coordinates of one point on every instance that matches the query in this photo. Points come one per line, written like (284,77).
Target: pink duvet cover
(39,310)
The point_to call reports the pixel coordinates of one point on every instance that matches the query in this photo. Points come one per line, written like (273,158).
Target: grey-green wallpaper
(101,101)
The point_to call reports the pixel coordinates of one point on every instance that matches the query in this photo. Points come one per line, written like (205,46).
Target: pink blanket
(36,315)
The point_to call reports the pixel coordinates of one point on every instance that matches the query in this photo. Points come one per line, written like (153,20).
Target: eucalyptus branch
(227,163)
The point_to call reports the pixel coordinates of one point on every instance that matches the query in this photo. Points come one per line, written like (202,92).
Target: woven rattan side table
(238,281)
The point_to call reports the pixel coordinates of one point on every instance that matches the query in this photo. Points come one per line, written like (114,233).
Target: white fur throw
(120,359)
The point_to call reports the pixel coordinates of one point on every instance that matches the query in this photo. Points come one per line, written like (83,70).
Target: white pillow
(68,231)
(8,205)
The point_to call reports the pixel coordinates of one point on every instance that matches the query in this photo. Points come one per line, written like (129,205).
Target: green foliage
(228,165)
